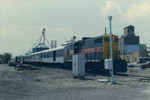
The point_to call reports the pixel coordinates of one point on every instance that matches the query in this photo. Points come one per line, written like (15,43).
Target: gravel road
(57,84)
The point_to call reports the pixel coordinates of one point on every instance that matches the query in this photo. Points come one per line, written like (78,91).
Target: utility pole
(111,51)
(43,36)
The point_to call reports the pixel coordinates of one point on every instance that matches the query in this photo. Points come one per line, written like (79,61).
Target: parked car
(135,64)
(11,62)
(145,65)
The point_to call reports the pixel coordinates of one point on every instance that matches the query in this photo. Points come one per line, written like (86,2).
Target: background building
(130,48)
(138,56)
(129,43)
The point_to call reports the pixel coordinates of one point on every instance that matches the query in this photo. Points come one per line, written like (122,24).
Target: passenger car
(135,64)
(11,62)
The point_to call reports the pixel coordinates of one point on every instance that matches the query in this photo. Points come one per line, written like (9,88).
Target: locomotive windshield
(76,48)
(107,40)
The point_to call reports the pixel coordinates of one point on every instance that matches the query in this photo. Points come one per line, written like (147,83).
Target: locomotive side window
(98,40)
(107,40)
(76,48)
(115,40)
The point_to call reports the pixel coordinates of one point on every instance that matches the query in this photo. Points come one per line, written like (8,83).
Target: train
(96,50)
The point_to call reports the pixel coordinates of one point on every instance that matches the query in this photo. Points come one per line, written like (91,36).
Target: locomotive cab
(106,47)
(77,47)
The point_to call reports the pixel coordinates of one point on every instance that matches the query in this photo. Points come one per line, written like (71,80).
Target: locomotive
(96,50)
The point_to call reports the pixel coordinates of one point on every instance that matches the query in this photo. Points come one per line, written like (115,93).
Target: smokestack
(105,30)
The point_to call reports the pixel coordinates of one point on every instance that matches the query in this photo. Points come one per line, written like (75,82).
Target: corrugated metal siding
(131,48)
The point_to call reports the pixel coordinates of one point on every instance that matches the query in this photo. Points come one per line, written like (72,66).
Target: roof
(129,26)
(44,51)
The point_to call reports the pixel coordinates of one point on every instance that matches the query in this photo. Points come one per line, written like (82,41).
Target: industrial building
(129,43)
(130,48)
(137,56)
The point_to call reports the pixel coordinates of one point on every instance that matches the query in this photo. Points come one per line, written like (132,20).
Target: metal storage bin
(78,65)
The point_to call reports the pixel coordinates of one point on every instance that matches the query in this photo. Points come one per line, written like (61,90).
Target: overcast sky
(22,21)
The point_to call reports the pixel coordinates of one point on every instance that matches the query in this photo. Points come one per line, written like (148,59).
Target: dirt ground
(58,84)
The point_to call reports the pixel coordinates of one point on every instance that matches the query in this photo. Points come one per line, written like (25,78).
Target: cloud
(111,8)
(18,39)
(144,39)
(133,13)
(136,12)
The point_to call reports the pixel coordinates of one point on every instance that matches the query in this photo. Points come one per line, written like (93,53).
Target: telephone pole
(43,36)
(111,51)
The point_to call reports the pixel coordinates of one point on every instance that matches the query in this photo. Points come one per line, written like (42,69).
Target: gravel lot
(58,84)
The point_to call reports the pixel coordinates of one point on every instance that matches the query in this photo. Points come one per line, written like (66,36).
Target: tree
(1,58)
(6,57)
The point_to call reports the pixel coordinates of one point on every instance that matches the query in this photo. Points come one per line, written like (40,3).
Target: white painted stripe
(144,57)
(50,60)
(86,60)
(92,60)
